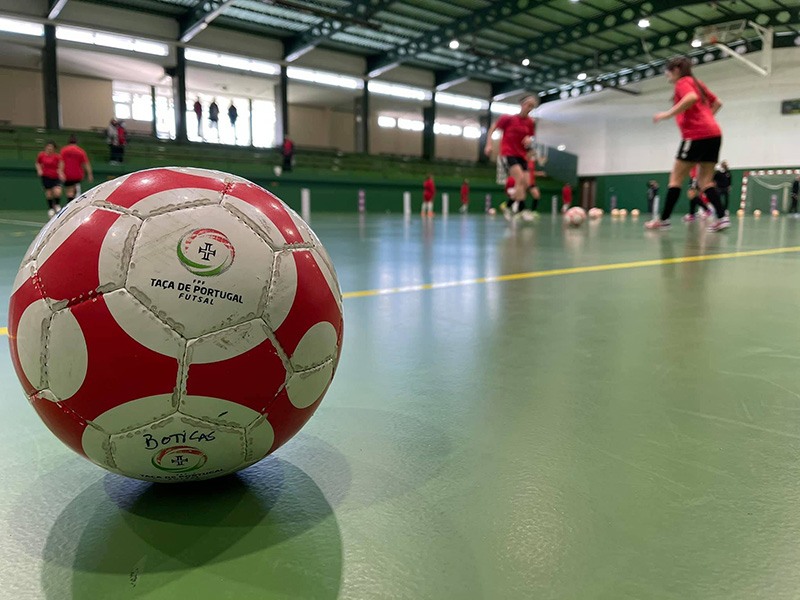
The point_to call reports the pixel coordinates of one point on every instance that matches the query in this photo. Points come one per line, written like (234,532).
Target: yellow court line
(571,271)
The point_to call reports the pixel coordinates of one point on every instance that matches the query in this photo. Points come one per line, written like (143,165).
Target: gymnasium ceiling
(562,39)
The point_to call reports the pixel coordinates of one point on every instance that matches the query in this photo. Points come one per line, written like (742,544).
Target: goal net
(768,190)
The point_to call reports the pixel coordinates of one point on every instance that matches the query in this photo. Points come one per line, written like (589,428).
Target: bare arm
(488,149)
(38,168)
(89,171)
(61,170)
(682,106)
(716,106)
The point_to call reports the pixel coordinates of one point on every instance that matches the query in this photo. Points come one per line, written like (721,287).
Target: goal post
(767,189)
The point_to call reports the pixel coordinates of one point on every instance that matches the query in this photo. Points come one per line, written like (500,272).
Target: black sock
(535,204)
(50,203)
(713,197)
(673,194)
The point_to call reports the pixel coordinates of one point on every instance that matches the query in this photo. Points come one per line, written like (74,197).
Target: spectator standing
(213,116)
(795,193)
(428,192)
(112,139)
(198,111)
(288,154)
(722,179)
(233,115)
(122,141)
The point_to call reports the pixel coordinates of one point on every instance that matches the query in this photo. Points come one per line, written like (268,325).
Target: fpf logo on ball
(179,459)
(206,252)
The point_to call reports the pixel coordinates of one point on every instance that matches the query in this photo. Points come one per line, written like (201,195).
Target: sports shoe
(720,224)
(430,214)
(51,212)
(58,207)
(658,224)
(688,218)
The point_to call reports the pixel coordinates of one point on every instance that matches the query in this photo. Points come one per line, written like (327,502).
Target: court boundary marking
(554,272)
(571,271)
(16,222)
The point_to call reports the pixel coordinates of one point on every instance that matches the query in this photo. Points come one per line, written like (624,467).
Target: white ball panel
(136,413)
(196,304)
(217,410)
(115,252)
(225,344)
(179,448)
(97,446)
(282,290)
(210,173)
(260,437)
(142,325)
(31,335)
(68,357)
(25,272)
(324,263)
(317,345)
(169,200)
(305,387)
(100,193)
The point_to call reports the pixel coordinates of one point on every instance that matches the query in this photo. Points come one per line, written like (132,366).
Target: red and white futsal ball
(176,324)
(575,216)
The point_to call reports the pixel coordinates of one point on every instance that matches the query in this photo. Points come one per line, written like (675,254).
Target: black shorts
(49,182)
(510,161)
(71,182)
(700,151)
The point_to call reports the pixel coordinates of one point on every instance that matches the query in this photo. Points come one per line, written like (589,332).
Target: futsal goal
(768,190)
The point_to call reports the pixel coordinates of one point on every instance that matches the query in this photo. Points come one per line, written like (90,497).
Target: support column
(52,102)
(154,129)
(362,122)
(428,137)
(281,108)
(179,94)
(485,121)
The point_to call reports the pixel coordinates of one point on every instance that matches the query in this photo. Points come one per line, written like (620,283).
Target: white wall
(614,133)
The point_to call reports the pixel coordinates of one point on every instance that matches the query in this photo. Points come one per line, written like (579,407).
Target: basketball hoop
(721,35)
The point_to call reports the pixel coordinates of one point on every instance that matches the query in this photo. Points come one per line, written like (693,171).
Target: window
(132,101)
(111,40)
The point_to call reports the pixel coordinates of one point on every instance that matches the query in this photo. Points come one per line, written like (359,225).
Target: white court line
(32,223)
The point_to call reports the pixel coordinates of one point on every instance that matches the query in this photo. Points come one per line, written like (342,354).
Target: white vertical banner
(555,205)
(445,203)
(305,203)
(656,207)
(407,204)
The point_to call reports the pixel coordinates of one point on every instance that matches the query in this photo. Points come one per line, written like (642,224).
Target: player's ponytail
(684,67)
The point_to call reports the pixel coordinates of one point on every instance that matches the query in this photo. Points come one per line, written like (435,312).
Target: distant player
(697,200)
(533,189)
(464,196)
(566,197)
(47,169)
(723,180)
(70,169)
(428,192)
(518,132)
(694,109)
(795,193)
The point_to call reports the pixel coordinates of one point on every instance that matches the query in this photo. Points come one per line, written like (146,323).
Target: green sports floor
(579,431)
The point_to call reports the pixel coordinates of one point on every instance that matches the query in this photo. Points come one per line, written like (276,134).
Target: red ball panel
(146,183)
(269,206)
(119,369)
(63,422)
(287,420)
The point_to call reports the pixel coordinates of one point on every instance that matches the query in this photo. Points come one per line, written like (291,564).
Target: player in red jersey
(464,196)
(536,195)
(70,170)
(428,191)
(694,109)
(47,169)
(518,133)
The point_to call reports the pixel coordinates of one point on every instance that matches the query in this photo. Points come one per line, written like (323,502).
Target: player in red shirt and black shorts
(73,158)
(518,132)
(47,169)
(694,109)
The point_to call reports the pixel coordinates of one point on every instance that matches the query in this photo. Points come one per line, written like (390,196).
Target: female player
(518,132)
(47,169)
(696,199)
(70,169)
(428,192)
(694,109)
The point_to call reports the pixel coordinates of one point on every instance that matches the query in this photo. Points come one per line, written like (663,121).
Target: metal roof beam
(471,23)
(198,18)
(54,8)
(586,28)
(358,11)
(604,60)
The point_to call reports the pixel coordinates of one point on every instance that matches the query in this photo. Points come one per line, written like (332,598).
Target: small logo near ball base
(206,252)
(179,459)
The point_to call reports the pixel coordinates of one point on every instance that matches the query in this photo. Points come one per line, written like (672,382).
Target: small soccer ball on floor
(595,213)
(635,212)
(756,213)
(776,213)
(175,324)
(575,216)
(623,212)
(614,212)
(740,212)
(492,212)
